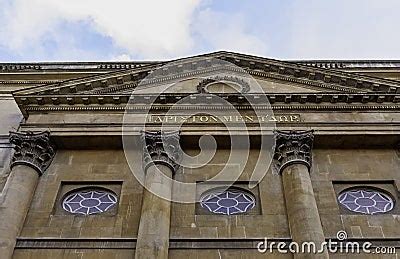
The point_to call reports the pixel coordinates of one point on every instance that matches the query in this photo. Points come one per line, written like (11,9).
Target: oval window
(366,201)
(88,202)
(228,202)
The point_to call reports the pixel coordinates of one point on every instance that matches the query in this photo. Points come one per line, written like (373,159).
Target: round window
(366,201)
(228,202)
(87,202)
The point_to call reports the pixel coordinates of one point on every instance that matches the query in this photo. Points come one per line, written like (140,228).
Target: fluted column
(33,154)
(293,159)
(160,162)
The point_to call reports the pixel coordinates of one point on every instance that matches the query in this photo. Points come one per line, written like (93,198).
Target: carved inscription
(278,118)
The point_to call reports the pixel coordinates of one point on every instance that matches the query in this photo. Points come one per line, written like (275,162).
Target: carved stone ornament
(161,148)
(293,147)
(244,86)
(32,149)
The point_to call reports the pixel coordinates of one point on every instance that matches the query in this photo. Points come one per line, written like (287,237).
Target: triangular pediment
(274,75)
(282,81)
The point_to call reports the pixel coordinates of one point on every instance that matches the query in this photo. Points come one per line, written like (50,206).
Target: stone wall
(332,170)
(94,168)
(377,168)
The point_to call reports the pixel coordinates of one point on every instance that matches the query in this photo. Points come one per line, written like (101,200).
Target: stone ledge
(186,243)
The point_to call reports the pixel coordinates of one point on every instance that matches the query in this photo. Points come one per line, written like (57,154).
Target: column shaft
(18,194)
(304,221)
(294,160)
(154,227)
(33,155)
(161,154)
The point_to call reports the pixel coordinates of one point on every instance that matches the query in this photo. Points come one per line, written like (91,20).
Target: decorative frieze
(161,148)
(293,147)
(32,149)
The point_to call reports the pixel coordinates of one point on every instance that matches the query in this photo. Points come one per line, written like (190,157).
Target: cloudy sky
(50,30)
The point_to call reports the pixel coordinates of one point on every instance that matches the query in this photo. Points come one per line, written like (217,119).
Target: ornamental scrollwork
(244,86)
(293,147)
(35,150)
(161,148)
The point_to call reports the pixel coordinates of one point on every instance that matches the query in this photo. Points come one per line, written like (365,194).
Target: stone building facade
(71,187)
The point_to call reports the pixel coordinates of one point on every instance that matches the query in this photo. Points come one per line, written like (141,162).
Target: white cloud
(122,57)
(160,29)
(228,32)
(150,29)
(344,29)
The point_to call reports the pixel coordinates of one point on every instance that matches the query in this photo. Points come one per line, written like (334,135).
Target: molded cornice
(165,99)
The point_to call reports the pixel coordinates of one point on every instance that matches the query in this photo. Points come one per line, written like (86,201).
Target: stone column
(160,162)
(293,160)
(33,154)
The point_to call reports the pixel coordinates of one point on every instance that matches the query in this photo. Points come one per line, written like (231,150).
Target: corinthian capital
(293,147)
(161,148)
(32,149)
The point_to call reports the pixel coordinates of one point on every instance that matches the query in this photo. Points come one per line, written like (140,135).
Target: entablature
(292,101)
